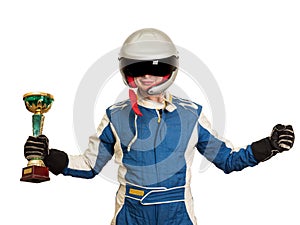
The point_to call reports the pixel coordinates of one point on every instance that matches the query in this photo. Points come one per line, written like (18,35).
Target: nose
(147,76)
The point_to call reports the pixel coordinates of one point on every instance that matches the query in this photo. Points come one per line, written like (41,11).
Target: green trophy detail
(37,124)
(38,103)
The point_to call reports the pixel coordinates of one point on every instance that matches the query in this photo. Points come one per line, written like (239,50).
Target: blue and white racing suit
(155,153)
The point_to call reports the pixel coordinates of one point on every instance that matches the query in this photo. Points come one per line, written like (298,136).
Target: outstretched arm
(100,150)
(226,157)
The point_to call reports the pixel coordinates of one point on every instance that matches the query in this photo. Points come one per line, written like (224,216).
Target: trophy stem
(37,124)
(37,128)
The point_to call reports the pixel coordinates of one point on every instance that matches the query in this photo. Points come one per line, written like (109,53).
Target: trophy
(38,103)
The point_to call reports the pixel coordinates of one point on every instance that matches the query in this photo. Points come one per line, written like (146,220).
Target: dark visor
(159,67)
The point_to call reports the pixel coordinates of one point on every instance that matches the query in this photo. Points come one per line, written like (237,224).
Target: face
(147,81)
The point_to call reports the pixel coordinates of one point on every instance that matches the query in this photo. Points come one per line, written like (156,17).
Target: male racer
(153,137)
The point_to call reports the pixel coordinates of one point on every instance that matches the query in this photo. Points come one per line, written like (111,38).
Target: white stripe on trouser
(161,191)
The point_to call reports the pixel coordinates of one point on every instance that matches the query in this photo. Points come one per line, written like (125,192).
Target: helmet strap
(130,81)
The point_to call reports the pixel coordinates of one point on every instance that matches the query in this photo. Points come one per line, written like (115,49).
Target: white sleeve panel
(87,160)
(204,122)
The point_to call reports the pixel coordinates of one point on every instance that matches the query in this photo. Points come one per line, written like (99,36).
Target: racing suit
(155,153)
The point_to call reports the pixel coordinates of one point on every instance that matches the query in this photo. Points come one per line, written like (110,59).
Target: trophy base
(35,174)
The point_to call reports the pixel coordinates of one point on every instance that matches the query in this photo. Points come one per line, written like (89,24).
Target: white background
(251,47)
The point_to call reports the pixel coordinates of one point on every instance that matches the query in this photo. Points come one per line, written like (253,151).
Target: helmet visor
(158,67)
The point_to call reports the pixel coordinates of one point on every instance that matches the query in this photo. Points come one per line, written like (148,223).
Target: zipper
(159,114)
(159,117)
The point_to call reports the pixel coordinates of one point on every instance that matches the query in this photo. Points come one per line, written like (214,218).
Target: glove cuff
(263,149)
(56,161)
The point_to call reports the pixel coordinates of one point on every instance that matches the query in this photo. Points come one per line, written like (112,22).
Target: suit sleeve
(100,150)
(220,152)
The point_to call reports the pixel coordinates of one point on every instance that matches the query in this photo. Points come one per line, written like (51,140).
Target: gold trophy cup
(38,103)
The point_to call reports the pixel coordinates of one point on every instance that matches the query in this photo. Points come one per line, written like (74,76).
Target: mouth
(147,82)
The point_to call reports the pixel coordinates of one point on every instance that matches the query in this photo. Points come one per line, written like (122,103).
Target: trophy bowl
(38,102)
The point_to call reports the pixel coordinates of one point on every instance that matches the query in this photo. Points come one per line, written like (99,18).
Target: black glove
(36,147)
(281,139)
(56,161)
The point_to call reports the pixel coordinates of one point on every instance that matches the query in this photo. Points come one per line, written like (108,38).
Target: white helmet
(149,51)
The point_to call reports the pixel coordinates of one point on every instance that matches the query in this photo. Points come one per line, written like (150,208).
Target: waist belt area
(155,195)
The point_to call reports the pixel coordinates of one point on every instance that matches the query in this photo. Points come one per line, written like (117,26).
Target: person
(153,137)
